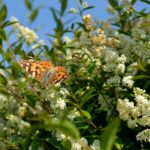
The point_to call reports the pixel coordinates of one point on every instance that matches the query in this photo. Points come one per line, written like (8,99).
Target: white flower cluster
(39,44)
(73,10)
(3,101)
(84,4)
(144,136)
(57,98)
(81,144)
(113,62)
(29,35)
(16,121)
(136,113)
(127,81)
(134,49)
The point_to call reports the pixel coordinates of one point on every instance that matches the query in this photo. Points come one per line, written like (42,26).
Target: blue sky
(17,8)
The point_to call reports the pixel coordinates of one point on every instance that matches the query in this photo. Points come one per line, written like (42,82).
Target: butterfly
(44,71)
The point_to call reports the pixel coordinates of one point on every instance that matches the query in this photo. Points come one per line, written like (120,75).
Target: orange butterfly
(44,71)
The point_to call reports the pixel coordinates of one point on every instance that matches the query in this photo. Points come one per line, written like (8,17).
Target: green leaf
(141,77)
(109,135)
(3,35)
(82,26)
(88,95)
(28,4)
(54,14)
(91,67)
(89,7)
(3,80)
(64,126)
(81,1)
(36,144)
(17,49)
(64,4)
(34,14)
(133,2)
(114,3)
(52,35)
(7,23)
(87,114)
(3,13)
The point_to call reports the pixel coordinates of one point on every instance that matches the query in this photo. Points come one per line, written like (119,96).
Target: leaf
(141,77)
(109,135)
(28,4)
(17,49)
(133,2)
(7,23)
(82,26)
(36,144)
(51,35)
(81,1)
(87,114)
(89,7)
(64,126)
(88,95)
(114,3)
(3,13)
(64,4)
(3,35)
(3,80)
(34,14)
(91,67)
(54,14)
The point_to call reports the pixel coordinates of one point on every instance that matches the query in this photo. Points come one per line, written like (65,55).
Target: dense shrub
(105,102)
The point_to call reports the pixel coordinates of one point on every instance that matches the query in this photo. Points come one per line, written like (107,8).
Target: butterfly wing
(44,71)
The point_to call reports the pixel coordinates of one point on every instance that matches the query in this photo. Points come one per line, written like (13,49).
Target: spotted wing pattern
(44,71)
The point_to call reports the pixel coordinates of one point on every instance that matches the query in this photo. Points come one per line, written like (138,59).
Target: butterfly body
(44,71)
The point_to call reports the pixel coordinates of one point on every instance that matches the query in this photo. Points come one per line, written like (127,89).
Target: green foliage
(98,106)
(108,136)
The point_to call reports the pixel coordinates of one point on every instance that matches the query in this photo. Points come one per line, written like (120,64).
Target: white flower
(135,112)
(132,123)
(64,92)
(60,103)
(84,5)
(13,118)
(145,121)
(67,40)
(110,56)
(115,80)
(23,125)
(83,142)
(14,19)
(144,135)
(60,136)
(95,145)
(2,72)
(39,44)
(76,146)
(120,68)
(3,100)
(29,35)
(140,99)
(122,59)
(38,107)
(73,114)
(22,111)
(127,81)
(124,108)
(73,10)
